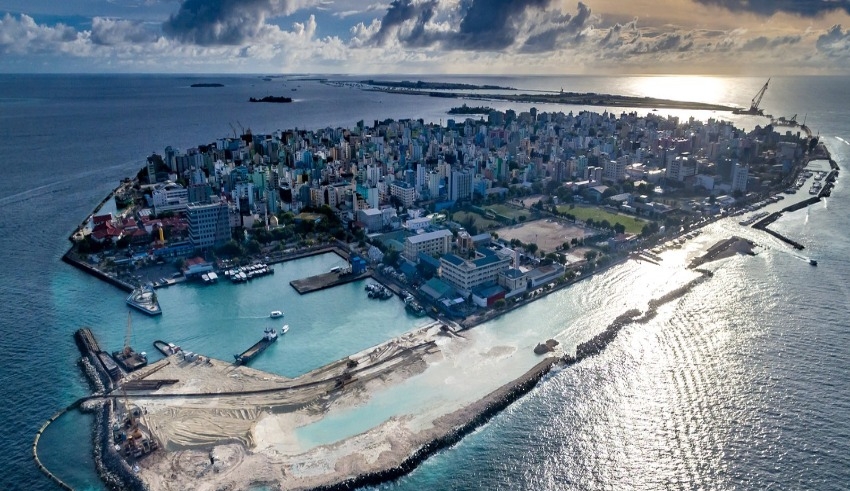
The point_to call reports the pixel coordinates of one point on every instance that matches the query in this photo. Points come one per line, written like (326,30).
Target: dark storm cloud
(482,25)
(214,22)
(803,8)
(401,11)
(493,24)
(568,26)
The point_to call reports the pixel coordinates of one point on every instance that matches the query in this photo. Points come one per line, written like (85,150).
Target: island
(465,242)
(272,98)
(420,85)
(464,109)
(571,98)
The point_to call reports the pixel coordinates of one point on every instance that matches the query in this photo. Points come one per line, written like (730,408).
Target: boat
(144,299)
(269,337)
(284,329)
(813,262)
(166,349)
(276,314)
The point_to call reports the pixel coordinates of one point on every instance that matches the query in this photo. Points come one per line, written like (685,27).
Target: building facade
(431,243)
(464,274)
(209,224)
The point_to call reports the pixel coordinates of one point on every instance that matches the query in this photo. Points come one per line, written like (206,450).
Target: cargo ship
(269,337)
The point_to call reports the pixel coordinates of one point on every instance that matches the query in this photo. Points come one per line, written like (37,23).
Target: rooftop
(415,239)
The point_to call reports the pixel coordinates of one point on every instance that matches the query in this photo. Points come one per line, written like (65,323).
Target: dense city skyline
(426,36)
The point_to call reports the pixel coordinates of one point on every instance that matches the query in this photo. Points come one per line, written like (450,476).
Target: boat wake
(842,140)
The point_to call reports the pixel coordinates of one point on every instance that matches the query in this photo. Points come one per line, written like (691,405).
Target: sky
(511,37)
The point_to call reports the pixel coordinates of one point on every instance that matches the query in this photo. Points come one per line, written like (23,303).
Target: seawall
(96,272)
(484,411)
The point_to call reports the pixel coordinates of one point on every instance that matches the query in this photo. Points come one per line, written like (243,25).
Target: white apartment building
(438,242)
(465,274)
(169,197)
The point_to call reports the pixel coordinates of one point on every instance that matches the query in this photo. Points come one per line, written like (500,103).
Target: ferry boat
(275,314)
(144,299)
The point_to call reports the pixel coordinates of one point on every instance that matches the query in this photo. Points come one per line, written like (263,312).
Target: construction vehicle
(754,109)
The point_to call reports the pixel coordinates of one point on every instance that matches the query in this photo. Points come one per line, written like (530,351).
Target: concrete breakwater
(500,399)
(598,343)
(112,469)
(484,410)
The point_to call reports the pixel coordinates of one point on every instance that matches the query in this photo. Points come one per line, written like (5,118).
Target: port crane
(754,104)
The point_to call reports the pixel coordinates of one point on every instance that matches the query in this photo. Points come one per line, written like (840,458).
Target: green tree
(253,247)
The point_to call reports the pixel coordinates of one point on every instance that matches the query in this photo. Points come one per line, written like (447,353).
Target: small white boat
(276,314)
(284,329)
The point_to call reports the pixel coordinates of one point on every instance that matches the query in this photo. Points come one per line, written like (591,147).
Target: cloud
(554,33)
(227,22)
(763,42)
(111,32)
(375,7)
(22,35)
(472,25)
(402,12)
(802,8)
(835,43)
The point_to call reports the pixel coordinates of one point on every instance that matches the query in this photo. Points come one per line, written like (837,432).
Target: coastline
(452,427)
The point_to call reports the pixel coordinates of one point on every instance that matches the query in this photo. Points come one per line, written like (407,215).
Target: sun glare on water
(682,88)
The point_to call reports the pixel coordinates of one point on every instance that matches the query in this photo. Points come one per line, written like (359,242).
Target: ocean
(741,384)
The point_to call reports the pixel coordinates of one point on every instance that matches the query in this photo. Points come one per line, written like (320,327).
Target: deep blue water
(742,384)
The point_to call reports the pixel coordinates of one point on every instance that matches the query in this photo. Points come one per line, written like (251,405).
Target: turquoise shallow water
(742,384)
(223,319)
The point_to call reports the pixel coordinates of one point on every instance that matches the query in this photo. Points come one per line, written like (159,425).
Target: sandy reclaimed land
(548,234)
(223,427)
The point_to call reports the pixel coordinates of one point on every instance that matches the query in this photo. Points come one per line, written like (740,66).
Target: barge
(269,337)
(166,349)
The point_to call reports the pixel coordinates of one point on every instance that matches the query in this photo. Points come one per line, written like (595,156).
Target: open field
(633,225)
(510,211)
(548,234)
(483,224)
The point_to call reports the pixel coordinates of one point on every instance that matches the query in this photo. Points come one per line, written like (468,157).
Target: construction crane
(754,109)
(128,335)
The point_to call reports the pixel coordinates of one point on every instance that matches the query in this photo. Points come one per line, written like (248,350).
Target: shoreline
(569,98)
(455,425)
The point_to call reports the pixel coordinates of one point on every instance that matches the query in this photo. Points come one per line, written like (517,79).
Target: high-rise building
(404,192)
(209,224)
(740,174)
(460,185)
